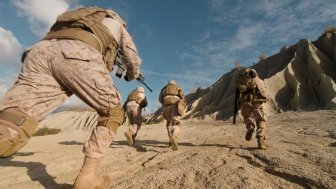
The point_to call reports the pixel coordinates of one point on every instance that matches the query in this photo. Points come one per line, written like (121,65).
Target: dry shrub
(46,131)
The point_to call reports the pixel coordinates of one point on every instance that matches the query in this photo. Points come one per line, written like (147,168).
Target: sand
(212,154)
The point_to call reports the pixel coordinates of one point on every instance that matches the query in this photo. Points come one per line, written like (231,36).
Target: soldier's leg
(167,115)
(35,93)
(175,128)
(246,111)
(132,127)
(261,119)
(83,71)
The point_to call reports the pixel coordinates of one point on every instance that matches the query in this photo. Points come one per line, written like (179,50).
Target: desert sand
(212,154)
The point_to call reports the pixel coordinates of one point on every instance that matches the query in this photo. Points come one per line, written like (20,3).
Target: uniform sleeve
(144,102)
(180,93)
(131,57)
(261,87)
(161,96)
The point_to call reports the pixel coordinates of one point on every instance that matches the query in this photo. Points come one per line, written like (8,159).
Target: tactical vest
(251,89)
(134,95)
(170,94)
(171,89)
(81,24)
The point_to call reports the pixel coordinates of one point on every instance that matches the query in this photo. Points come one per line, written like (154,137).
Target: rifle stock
(235,109)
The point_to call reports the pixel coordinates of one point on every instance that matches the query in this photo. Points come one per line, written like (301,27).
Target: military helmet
(172,82)
(251,72)
(140,89)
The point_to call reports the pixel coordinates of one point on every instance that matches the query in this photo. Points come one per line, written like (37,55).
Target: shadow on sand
(231,147)
(35,170)
(71,143)
(153,143)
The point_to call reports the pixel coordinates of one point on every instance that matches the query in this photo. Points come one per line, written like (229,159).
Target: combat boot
(173,143)
(88,178)
(261,143)
(129,137)
(249,133)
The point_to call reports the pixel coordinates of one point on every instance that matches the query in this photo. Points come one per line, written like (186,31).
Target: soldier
(173,105)
(136,100)
(75,57)
(252,96)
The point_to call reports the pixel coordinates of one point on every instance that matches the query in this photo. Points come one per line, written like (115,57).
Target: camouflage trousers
(134,116)
(259,112)
(173,119)
(52,71)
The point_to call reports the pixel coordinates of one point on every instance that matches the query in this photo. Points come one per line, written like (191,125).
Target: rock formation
(299,77)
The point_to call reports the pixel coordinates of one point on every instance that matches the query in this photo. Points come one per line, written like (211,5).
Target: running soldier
(136,100)
(251,98)
(75,57)
(173,105)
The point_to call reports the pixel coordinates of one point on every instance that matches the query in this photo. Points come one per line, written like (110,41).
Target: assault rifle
(141,79)
(122,68)
(235,109)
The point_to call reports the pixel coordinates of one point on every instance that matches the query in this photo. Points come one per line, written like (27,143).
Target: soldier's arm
(161,96)
(261,87)
(131,58)
(180,93)
(144,102)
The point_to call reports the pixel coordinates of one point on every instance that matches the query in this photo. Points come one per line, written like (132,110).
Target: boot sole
(249,134)
(129,138)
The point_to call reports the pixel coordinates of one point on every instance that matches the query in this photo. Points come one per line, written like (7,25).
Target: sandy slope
(212,154)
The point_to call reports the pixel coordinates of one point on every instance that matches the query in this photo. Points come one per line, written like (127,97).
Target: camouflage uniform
(169,97)
(251,99)
(135,102)
(58,67)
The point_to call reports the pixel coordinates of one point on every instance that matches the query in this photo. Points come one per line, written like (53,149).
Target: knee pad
(27,126)
(114,119)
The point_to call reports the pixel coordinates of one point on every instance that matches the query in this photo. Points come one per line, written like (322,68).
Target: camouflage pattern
(259,112)
(173,119)
(252,97)
(170,110)
(52,71)
(136,100)
(133,111)
(131,58)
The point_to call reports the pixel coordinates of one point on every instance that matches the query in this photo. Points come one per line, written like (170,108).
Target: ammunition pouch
(27,126)
(170,99)
(115,119)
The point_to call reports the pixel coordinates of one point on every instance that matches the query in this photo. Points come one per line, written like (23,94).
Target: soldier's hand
(126,78)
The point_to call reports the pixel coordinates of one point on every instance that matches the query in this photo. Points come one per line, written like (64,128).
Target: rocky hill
(299,77)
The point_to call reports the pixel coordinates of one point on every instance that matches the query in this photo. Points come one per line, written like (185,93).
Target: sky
(193,42)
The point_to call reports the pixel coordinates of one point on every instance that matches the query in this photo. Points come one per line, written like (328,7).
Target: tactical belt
(75,33)
(12,117)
